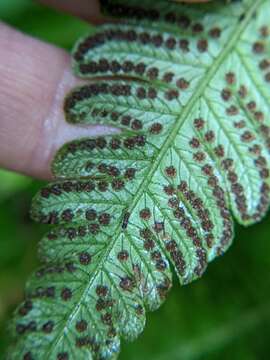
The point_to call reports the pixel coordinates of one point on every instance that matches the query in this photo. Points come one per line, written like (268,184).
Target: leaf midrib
(186,109)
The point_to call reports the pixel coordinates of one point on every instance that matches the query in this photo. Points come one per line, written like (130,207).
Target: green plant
(188,88)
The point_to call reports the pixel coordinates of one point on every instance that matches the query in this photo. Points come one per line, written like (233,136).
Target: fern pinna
(188,88)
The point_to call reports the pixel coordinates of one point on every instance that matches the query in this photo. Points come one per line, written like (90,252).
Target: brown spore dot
(26,308)
(141,93)
(202,45)
(145,214)
(215,32)
(194,143)
(115,144)
(101,143)
(258,47)
(152,93)
(62,356)
(145,233)
(197,28)
(158,226)
(51,235)
(261,161)
(169,189)
(56,190)
(157,40)
(168,77)
(251,105)
(184,45)
(48,327)
(123,255)
(239,124)
(85,258)
(161,265)
(104,219)
(232,177)
(101,290)
(264,173)
(127,283)
(247,136)
(102,186)
(144,38)
(227,163)
(243,91)
(113,171)
(66,294)
(81,326)
(45,193)
(182,186)
(199,156)
(102,168)
(173,202)
(139,310)
(112,332)
(115,67)
(156,128)
(182,84)
(259,116)
(67,215)
(232,110)
(170,17)
(184,21)
(28,356)
(136,124)
(219,151)
(90,214)
(264,64)
(152,73)
(149,244)
(170,171)
(226,94)
(212,181)
(264,31)
(126,120)
(156,255)
(170,43)
(171,94)
(106,319)
(207,169)
(140,68)
(199,123)
(230,78)
(83,341)
(130,173)
(140,140)
(118,184)
(129,143)
(267,77)
(255,149)
(209,136)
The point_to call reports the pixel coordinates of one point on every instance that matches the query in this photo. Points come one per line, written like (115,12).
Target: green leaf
(187,87)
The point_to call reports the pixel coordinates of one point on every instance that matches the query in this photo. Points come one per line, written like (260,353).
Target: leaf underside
(188,88)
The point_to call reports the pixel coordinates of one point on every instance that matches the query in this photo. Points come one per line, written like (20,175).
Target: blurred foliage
(225,315)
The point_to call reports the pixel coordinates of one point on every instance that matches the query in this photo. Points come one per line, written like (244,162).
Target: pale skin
(34,80)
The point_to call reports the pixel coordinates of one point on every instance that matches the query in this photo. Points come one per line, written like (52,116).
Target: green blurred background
(225,315)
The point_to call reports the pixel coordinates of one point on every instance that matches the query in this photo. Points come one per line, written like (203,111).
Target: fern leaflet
(188,88)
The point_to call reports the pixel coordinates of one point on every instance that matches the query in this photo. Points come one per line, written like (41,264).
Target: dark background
(225,315)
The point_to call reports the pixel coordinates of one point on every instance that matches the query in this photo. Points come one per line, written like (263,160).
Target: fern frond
(188,88)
